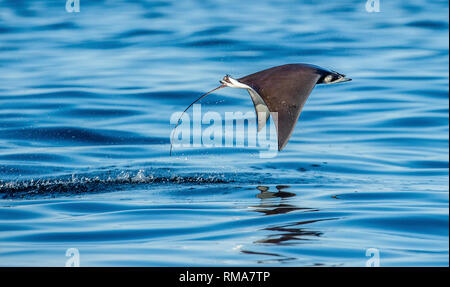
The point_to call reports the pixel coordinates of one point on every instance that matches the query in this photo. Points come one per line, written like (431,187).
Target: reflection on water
(267,194)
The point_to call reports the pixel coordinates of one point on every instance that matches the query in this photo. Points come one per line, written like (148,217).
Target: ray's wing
(284,89)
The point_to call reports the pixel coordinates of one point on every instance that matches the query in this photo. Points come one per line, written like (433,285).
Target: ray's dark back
(285,90)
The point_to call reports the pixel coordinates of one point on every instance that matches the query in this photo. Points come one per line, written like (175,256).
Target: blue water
(85,104)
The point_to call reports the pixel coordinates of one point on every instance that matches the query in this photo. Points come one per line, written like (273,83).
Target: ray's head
(332,77)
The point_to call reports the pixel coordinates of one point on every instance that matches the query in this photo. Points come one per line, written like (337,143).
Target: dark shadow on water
(268,194)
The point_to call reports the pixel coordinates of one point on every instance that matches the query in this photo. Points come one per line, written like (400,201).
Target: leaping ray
(280,91)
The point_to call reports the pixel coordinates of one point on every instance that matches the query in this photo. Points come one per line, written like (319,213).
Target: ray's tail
(179,120)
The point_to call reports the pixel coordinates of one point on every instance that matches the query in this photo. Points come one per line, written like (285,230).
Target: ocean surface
(85,105)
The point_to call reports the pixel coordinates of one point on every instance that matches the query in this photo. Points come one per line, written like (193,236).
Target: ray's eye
(328,79)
